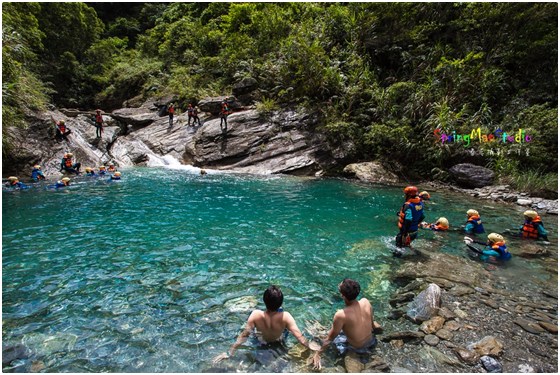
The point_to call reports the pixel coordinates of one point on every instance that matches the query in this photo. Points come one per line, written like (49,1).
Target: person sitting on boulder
(102,170)
(62,131)
(533,228)
(474,223)
(98,123)
(410,216)
(116,176)
(37,173)
(67,165)
(13,182)
(496,249)
(439,226)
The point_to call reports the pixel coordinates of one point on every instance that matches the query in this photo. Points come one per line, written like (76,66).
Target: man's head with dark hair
(349,289)
(273,298)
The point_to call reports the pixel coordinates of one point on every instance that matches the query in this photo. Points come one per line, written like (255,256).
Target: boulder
(433,325)
(371,172)
(245,86)
(214,105)
(472,176)
(491,364)
(425,306)
(489,345)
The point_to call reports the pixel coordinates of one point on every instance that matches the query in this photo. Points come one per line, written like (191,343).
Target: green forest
(387,79)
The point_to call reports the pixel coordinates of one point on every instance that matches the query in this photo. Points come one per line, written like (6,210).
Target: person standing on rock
(271,326)
(410,216)
(62,131)
(98,123)
(224,113)
(171,112)
(533,228)
(352,327)
(193,114)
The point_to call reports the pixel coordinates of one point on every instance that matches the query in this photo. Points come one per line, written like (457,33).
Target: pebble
(452,325)
(529,326)
(549,327)
(524,202)
(432,340)
(490,303)
(467,356)
(444,334)
(446,313)
(460,313)
(490,364)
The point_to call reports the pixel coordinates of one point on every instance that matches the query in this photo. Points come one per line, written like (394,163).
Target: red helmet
(411,190)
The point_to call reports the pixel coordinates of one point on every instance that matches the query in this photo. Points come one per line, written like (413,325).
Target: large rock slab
(371,172)
(472,176)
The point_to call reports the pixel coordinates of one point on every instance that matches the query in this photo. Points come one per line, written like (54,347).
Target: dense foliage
(384,76)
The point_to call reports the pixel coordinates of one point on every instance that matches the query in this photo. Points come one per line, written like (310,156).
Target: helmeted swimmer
(67,165)
(62,183)
(116,176)
(495,249)
(14,182)
(111,167)
(102,170)
(442,224)
(533,227)
(37,173)
(410,216)
(90,172)
(474,223)
(425,196)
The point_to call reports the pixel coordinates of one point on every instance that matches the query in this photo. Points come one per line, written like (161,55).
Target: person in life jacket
(37,173)
(442,224)
(13,182)
(474,223)
(533,228)
(116,176)
(111,168)
(102,170)
(98,123)
(425,196)
(410,216)
(90,172)
(171,112)
(62,183)
(224,112)
(193,113)
(62,131)
(68,166)
(495,250)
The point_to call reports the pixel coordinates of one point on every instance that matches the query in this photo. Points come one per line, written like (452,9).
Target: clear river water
(158,272)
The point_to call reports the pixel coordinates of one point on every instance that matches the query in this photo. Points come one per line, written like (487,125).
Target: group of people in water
(353,327)
(67,165)
(411,216)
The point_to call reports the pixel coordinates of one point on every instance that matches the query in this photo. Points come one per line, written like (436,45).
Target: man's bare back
(357,322)
(271,324)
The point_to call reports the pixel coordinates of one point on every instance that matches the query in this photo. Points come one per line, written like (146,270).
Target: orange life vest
(98,119)
(530,228)
(61,127)
(171,110)
(68,162)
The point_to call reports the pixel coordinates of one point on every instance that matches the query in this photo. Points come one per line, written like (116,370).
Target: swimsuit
(342,345)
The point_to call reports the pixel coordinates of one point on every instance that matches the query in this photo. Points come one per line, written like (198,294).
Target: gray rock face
(472,176)
(371,172)
(245,86)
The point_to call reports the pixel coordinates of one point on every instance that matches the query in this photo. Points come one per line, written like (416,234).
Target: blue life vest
(477,224)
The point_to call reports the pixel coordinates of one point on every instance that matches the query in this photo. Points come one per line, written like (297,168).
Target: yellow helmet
(443,222)
(88,169)
(37,166)
(530,213)
(13,178)
(66,179)
(495,237)
(101,167)
(117,173)
(68,154)
(111,164)
(472,213)
(425,195)
(61,122)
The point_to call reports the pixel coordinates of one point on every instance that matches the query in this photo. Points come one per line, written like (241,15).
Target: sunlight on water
(158,272)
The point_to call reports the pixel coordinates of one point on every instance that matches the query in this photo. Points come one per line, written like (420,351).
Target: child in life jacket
(442,224)
(474,223)
(533,227)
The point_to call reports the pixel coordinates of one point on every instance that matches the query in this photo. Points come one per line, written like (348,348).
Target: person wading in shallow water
(271,325)
(410,216)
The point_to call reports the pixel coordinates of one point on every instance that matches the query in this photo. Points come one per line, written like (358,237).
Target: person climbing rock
(533,228)
(62,131)
(410,216)
(67,165)
(37,173)
(474,223)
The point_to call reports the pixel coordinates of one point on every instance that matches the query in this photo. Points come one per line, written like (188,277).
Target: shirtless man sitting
(269,325)
(355,320)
